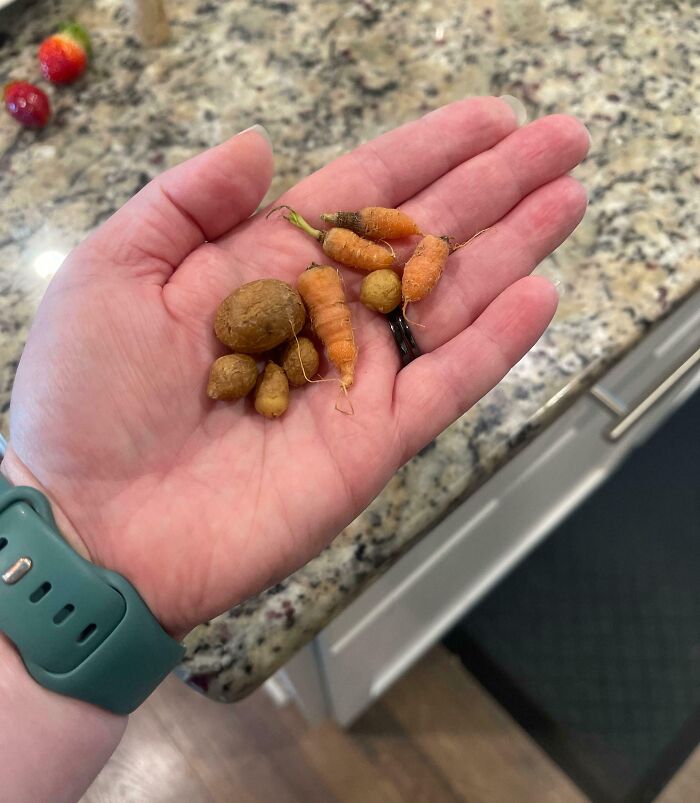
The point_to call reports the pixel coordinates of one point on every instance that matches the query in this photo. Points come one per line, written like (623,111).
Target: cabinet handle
(627,418)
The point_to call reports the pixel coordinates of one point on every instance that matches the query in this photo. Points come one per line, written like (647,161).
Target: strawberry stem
(76,32)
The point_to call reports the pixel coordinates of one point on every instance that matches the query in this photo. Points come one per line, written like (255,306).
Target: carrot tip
(408,320)
(343,389)
(454,248)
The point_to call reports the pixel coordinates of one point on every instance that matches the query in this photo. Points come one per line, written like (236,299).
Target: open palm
(202,503)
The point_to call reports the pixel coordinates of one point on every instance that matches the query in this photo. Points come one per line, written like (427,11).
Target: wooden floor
(435,737)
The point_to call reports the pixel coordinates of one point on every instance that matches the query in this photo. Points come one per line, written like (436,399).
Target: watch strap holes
(85,635)
(41,592)
(3,543)
(63,614)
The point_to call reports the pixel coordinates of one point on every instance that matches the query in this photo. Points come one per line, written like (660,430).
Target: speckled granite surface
(322,76)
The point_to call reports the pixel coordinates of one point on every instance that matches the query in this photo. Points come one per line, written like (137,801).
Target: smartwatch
(81,630)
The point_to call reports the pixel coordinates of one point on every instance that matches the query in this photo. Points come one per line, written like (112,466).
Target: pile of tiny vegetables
(262,320)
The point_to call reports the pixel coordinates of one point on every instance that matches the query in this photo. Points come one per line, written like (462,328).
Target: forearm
(51,746)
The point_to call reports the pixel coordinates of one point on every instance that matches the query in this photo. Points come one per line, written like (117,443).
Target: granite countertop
(346,72)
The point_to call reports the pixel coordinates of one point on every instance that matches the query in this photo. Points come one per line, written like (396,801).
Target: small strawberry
(27,104)
(65,55)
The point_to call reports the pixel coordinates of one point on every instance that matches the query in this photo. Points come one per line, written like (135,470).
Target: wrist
(95,638)
(16,473)
(54,744)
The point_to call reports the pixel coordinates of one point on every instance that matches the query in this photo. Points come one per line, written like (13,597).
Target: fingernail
(590,138)
(559,285)
(260,129)
(518,108)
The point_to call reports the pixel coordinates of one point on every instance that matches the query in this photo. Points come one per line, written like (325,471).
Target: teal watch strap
(81,630)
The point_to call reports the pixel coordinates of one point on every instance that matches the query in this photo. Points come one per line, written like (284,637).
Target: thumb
(198,200)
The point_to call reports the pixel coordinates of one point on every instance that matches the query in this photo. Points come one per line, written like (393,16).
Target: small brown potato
(272,393)
(259,316)
(232,377)
(381,291)
(293,365)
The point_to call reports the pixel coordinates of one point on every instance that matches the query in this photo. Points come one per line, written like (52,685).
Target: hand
(201,504)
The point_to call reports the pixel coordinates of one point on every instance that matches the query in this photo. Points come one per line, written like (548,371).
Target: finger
(393,167)
(479,192)
(512,248)
(389,169)
(434,390)
(198,200)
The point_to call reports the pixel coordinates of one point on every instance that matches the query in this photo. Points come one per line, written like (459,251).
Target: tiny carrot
(375,222)
(322,290)
(424,269)
(343,245)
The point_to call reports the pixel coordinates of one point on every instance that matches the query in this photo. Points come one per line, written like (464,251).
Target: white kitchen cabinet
(377,638)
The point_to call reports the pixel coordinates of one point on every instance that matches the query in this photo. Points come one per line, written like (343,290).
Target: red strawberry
(27,104)
(65,55)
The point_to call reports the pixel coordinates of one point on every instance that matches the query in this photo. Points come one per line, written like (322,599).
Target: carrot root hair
(390,247)
(454,248)
(301,362)
(408,320)
(344,391)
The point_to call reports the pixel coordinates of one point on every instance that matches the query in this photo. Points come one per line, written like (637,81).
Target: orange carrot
(322,290)
(424,269)
(375,222)
(344,246)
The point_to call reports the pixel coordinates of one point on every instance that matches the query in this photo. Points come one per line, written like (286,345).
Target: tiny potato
(272,392)
(300,358)
(232,377)
(381,291)
(259,316)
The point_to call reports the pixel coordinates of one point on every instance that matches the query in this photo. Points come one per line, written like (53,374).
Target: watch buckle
(17,571)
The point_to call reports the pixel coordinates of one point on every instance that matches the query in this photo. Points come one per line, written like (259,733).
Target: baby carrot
(343,245)
(375,222)
(424,269)
(322,290)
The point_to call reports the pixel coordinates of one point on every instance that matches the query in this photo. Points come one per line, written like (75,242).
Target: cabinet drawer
(410,607)
(381,634)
